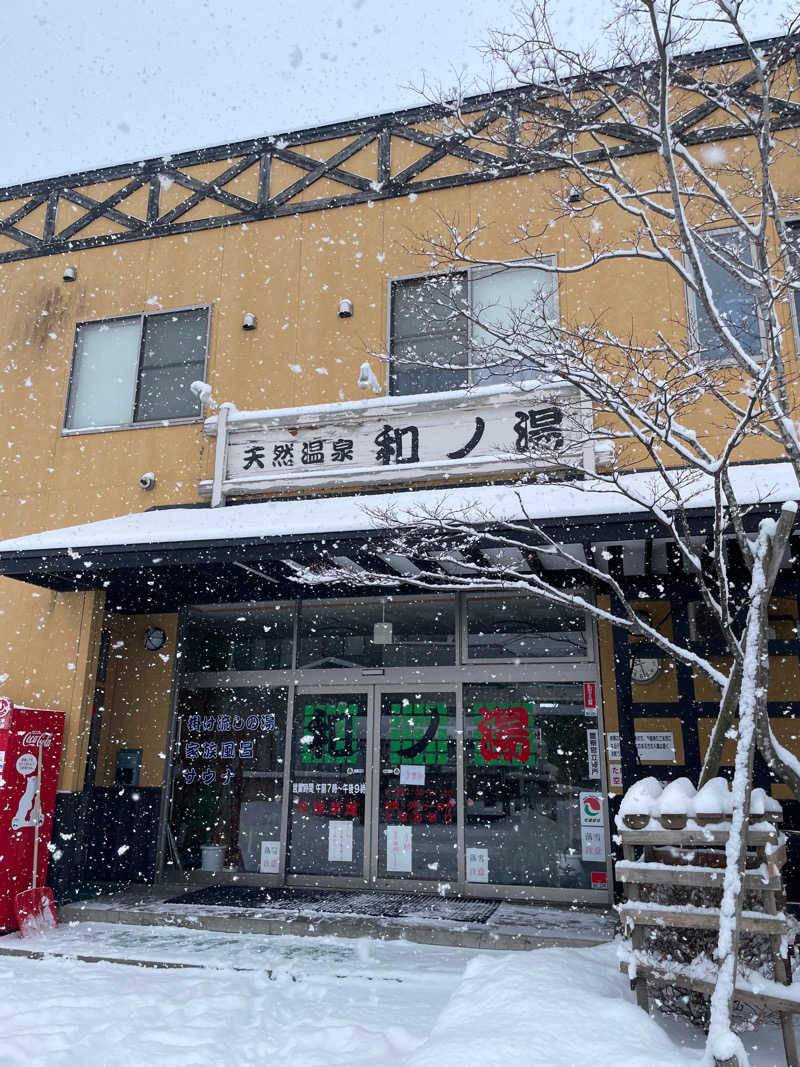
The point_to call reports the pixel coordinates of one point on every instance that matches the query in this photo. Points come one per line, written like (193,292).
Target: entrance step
(332,902)
(501,926)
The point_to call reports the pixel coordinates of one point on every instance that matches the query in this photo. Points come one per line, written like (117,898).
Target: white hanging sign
(593,753)
(397,439)
(398,848)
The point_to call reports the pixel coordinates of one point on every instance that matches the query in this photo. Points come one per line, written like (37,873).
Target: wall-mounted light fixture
(249,322)
(154,638)
(345,309)
(367,379)
(147,481)
(70,274)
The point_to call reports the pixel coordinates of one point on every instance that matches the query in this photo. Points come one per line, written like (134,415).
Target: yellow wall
(137,696)
(291,273)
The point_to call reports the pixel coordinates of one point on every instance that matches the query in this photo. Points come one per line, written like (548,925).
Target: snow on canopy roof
(764,483)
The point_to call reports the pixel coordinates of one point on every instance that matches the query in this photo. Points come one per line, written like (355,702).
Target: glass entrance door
(328,802)
(417,794)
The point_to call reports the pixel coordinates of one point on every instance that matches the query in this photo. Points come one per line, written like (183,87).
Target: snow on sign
(395,439)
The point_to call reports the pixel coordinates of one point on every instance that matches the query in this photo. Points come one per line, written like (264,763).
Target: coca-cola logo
(34,738)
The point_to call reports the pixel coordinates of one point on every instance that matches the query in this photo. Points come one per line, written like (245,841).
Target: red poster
(589,696)
(21,731)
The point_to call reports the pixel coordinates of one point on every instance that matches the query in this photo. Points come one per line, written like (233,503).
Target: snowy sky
(95,82)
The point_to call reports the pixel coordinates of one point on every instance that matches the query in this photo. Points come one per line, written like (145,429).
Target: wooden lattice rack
(693,857)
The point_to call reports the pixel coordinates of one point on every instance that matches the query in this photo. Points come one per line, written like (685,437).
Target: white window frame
(692,318)
(68,431)
(471,273)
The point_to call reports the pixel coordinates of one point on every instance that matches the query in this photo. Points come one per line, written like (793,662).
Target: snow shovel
(34,908)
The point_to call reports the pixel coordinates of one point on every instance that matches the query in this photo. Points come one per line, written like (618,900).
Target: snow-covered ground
(324,1001)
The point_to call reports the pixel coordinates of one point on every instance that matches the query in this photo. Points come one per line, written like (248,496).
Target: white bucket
(213,856)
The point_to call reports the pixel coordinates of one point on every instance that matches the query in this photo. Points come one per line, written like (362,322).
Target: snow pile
(548,1008)
(714,799)
(332,1002)
(649,805)
(641,799)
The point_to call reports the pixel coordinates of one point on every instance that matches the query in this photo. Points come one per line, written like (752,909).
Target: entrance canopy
(160,559)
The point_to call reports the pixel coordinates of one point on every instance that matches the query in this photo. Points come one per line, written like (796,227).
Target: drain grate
(327,902)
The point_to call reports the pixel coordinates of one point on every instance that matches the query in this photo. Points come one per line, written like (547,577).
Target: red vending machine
(22,731)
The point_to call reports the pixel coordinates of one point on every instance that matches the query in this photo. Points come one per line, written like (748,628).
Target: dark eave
(167,576)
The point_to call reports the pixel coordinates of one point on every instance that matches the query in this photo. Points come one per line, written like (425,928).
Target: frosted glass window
(509,299)
(104,373)
(437,341)
(137,369)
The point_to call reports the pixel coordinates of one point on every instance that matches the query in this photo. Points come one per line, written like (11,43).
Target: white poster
(340,841)
(591,809)
(593,753)
(477,864)
(412,774)
(655,746)
(593,844)
(615,775)
(649,746)
(270,857)
(398,848)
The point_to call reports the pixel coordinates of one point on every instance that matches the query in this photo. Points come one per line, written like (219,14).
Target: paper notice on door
(340,841)
(412,774)
(398,848)
(270,857)
(477,864)
(593,844)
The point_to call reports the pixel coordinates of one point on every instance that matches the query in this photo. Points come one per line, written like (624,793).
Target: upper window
(137,369)
(444,327)
(734,300)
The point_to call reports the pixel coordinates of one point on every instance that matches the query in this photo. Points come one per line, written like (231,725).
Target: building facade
(223,710)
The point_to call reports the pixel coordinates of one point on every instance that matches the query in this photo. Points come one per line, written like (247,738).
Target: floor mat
(323,902)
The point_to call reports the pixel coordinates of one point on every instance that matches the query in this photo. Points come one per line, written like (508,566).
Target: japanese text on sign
(504,735)
(398,848)
(398,439)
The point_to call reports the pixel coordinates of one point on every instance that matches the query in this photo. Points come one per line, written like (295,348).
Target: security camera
(249,322)
(147,481)
(345,309)
(70,274)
